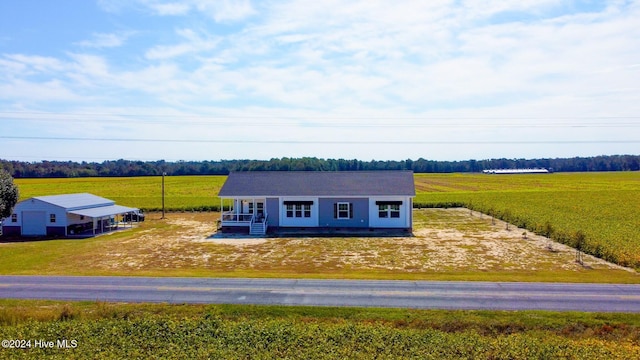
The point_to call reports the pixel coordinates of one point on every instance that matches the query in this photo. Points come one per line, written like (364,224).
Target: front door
(260,209)
(253,207)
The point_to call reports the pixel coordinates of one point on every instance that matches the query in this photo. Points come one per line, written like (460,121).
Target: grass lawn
(601,208)
(448,244)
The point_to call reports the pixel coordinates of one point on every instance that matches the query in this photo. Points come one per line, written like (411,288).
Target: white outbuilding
(65,215)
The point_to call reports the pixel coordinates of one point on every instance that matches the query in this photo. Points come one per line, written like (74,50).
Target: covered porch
(249,213)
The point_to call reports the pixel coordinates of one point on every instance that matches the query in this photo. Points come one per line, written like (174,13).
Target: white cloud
(39,93)
(101,40)
(225,10)
(193,43)
(222,11)
(170,8)
(35,64)
(372,62)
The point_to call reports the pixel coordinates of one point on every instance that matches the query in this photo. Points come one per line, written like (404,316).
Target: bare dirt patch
(445,240)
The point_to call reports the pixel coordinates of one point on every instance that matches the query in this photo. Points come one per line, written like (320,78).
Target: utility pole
(163,175)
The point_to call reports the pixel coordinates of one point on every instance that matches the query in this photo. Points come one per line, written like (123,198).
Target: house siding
(311,221)
(360,217)
(404,221)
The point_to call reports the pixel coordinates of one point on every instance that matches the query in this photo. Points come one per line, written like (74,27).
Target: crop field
(601,209)
(597,212)
(160,331)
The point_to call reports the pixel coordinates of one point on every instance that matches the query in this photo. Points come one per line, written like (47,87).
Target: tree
(8,194)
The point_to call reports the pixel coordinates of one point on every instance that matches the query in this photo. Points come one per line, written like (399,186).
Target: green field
(181,192)
(160,331)
(601,209)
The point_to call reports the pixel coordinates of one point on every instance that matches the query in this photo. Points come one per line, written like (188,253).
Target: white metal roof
(516,171)
(102,211)
(76,201)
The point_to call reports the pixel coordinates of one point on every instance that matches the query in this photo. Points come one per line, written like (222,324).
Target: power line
(318,117)
(347,142)
(344,124)
(329,121)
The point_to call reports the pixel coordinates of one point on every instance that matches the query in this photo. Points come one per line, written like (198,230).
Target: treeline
(66,169)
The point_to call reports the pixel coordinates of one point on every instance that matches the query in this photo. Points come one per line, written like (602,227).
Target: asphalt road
(366,293)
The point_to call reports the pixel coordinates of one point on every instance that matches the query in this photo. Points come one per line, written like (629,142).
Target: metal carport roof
(103,211)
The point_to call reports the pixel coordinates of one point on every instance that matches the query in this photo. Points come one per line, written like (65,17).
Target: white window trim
(348,210)
(388,210)
(298,211)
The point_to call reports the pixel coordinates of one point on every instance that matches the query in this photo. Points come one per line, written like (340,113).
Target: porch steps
(258,228)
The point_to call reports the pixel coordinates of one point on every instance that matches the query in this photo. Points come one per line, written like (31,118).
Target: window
(52,218)
(298,209)
(383,211)
(388,210)
(394,211)
(343,210)
(14,218)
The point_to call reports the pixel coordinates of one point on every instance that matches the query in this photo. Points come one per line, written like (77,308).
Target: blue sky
(214,79)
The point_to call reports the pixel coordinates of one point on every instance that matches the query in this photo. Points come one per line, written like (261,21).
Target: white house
(64,215)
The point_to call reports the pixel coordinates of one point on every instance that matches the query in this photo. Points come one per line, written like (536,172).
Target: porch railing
(236,217)
(258,225)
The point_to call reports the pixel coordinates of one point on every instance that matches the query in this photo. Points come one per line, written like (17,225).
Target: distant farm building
(516,171)
(320,200)
(66,216)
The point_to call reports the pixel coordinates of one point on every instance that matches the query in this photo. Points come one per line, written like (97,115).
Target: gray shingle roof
(319,183)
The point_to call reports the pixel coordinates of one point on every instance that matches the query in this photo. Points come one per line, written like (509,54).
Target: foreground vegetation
(231,331)
(596,212)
